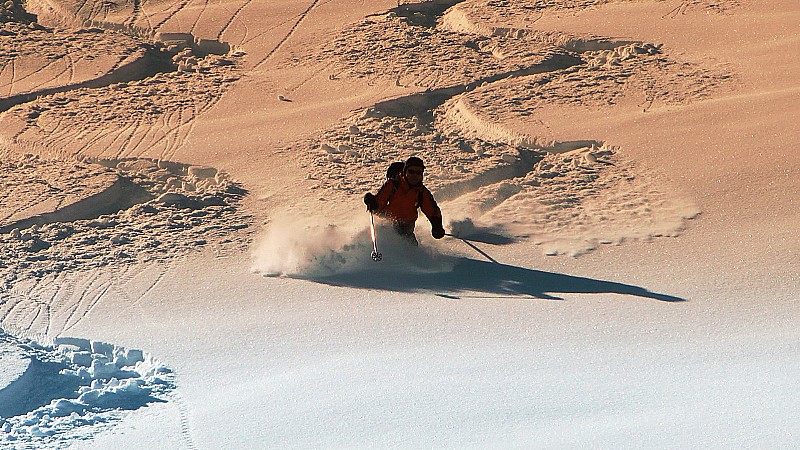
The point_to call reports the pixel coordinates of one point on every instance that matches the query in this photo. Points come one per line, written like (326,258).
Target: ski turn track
(565,197)
(288,35)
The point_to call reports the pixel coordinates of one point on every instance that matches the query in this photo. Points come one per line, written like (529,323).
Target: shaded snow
(13,363)
(73,390)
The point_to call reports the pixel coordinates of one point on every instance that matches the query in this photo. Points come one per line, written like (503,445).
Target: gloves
(371,202)
(437,230)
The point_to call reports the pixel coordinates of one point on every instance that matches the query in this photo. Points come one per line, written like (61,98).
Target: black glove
(437,230)
(371,202)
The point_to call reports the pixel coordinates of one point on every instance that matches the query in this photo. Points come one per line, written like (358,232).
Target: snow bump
(73,389)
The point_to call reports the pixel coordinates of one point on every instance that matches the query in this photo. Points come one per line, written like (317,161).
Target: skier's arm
(384,193)
(433,213)
(428,205)
(378,202)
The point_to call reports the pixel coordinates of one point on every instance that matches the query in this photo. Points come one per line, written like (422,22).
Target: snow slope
(365,362)
(619,178)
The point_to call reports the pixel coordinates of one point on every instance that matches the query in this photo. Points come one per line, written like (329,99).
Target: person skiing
(400,197)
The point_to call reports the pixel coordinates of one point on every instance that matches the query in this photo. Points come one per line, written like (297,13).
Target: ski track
(81,6)
(13,75)
(28,75)
(288,35)
(79,304)
(69,67)
(129,138)
(185,423)
(278,25)
(61,132)
(48,307)
(150,26)
(274,27)
(235,16)
(2,71)
(314,74)
(71,62)
(172,14)
(71,307)
(136,137)
(21,320)
(100,134)
(103,290)
(268,30)
(199,16)
(54,300)
(117,148)
(145,142)
(159,277)
(678,10)
(35,201)
(170,138)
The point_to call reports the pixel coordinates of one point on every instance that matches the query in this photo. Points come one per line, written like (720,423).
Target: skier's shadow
(489,280)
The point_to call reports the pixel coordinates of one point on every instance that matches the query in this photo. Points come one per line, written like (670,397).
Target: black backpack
(394,171)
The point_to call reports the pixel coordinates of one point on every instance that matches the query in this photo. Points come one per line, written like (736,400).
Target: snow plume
(294,245)
(312,247)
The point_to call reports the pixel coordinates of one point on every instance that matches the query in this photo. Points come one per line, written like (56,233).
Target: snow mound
(573,202)
(468,122)
(74,389)
(62,215)
(13,363)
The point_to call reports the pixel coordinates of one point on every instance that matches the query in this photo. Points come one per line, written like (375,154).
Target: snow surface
(13,363)
(186,255)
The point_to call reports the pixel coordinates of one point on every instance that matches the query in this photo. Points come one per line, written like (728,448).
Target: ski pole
(474,247)
(376,255)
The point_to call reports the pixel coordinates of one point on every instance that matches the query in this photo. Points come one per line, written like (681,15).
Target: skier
(400,197)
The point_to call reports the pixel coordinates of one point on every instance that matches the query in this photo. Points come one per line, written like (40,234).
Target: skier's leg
(406,230)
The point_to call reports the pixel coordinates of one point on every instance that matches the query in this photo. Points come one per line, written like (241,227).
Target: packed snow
(72,390)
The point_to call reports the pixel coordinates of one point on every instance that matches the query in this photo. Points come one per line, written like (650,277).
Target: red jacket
(400,201)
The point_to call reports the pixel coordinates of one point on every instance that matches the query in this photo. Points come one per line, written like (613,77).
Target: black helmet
(414,162)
